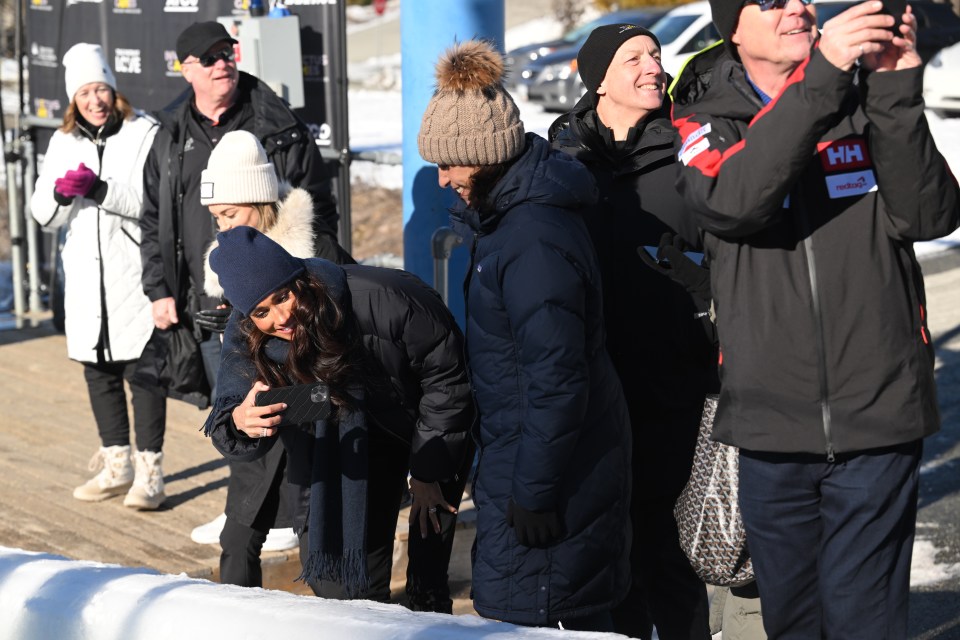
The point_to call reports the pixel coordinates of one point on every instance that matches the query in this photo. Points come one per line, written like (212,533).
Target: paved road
(935,608)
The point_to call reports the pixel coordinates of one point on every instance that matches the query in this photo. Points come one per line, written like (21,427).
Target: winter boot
(114,477)
(147,490)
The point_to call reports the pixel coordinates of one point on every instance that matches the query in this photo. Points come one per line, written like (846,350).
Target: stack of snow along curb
(43,596)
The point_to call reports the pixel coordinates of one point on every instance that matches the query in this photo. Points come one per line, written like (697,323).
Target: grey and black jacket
(811,205)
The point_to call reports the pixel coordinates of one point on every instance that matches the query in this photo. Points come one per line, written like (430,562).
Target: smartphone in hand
(305,402)
(895,8)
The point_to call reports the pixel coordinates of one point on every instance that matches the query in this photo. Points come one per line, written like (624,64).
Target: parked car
(682,31)
(525,63)
(941,82)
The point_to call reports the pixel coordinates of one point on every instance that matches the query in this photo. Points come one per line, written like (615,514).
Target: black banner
(139,37)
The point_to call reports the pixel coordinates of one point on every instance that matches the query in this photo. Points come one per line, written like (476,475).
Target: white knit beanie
(238,172)
(85,63)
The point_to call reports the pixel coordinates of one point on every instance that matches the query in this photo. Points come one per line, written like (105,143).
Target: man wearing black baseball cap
(199,38)
(656,336)
(177,229)
(807,159)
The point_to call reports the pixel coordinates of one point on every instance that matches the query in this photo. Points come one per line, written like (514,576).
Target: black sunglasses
(211,59)
(766,5)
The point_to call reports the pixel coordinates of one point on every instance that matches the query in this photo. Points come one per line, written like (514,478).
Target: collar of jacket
(99,134)
(713,81)
(271,115)
(581,134)
(539,175)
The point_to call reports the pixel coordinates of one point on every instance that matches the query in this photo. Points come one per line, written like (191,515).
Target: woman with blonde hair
(240,188)
(92,181)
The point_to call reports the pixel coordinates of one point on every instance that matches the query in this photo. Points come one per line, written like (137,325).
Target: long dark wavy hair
(326,343)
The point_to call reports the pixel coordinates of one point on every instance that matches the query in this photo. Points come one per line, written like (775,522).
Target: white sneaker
(281,540)
(209,533)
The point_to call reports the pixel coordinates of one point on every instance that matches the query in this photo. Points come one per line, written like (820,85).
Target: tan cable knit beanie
(238,172)
(471,119)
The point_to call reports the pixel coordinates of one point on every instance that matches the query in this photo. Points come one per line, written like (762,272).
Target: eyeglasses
(766,5)
(211,59)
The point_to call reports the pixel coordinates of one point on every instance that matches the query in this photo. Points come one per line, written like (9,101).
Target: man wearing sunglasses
(809,164)
(177,230)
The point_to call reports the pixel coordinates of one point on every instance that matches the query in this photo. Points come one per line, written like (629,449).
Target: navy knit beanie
(601,45)
(251,266)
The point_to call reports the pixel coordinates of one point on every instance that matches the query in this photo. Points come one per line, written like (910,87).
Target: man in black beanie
(811,170)
(666,362)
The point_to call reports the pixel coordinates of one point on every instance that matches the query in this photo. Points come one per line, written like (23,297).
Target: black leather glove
(537,529)
(214,320)
(673,263)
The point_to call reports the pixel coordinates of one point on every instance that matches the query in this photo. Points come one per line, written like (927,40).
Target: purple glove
(76,182)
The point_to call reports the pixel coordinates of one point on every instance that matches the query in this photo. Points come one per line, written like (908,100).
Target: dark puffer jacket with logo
(554,434)
(811,205)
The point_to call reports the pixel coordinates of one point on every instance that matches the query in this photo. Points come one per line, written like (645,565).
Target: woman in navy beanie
(390,354)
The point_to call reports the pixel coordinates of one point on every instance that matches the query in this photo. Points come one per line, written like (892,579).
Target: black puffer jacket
(811,206)
(290,148)
(554,433)
(664,358)
(425,397)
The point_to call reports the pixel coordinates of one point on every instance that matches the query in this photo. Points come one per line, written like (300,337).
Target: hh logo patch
(206,189)
(844,155)
(851,184)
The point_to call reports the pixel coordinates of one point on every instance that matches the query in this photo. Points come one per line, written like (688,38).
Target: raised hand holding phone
(257,421)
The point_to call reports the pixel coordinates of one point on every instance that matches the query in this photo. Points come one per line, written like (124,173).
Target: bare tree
(569,12)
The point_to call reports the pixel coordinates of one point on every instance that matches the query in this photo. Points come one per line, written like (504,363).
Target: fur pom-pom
(470,65)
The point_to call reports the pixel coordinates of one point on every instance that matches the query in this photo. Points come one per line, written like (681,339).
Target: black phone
(305,402)
(895,8)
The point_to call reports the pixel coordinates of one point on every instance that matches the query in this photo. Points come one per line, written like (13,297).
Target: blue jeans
(210,354)
(831,542)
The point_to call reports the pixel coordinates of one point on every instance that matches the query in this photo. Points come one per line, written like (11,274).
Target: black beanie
(725,15)
(251,266)
(601,45)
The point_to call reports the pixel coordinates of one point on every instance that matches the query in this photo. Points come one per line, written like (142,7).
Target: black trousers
(108,399)
(665,591)
(389,461)
(428,558)
(428,587)
(241,545)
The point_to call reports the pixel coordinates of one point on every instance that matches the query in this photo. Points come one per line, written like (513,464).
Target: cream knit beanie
(84,63)
(238,172)
(471,119)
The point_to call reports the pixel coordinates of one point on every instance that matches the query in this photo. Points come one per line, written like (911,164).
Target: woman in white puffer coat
(92,181)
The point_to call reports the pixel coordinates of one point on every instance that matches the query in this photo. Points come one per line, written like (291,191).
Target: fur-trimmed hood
(293,231)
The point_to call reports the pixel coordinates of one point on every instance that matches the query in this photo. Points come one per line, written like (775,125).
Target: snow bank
(43,596)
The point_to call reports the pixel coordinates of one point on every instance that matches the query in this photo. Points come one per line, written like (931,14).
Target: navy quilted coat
(553,432)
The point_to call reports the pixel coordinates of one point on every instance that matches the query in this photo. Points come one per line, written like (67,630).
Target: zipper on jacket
(818,330)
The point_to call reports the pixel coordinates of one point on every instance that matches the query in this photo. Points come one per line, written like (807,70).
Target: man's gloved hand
(537,529)
(214,320)
(673,263)
(76,182)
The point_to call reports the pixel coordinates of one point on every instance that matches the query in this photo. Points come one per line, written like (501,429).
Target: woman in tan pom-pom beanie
(552,485)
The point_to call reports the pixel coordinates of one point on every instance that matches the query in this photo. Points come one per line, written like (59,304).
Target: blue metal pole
(427,29)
